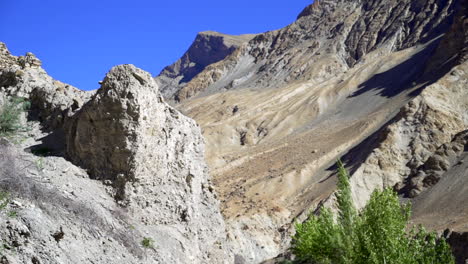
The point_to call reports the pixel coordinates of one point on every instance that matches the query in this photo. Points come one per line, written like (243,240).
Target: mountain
(379,84)
(209,47)
(246,144)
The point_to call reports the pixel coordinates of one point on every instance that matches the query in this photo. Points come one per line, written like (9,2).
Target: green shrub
(147,242)
(40,163)
(10,116)
(12,214)
(378,234)
(4,199)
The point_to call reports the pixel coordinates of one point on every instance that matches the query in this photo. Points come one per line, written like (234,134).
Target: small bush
(10,116)
(40,164)
(378,234)
(4,199)
(12,214)
(147,242)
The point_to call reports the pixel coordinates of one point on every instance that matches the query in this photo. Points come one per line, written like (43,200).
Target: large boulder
(152,159)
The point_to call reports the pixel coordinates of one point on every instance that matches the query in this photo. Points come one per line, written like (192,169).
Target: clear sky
(78,41)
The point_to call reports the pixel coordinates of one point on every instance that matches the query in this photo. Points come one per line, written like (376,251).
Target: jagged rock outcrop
(208,47)
(135,187)
(435,167)
(423,125)
(51,101)
(153,157)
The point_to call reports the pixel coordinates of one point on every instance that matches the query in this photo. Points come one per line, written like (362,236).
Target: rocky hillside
(119,176)
(380,84)
(112,176)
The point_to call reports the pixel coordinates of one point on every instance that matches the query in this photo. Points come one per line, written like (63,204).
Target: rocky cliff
(51,100)
(114,176)
(380,84)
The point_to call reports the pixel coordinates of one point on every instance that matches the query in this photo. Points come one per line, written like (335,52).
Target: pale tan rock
(150,158)
(427,122)
(153,157)
(52,101)
(29,61)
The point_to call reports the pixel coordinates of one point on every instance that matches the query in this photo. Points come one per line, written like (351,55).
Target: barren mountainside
(380,84)
(248,143)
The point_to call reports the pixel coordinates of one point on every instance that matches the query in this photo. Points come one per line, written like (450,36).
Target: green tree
(378,234)
(381,235)
(321,239)
(321,234)
(346,214)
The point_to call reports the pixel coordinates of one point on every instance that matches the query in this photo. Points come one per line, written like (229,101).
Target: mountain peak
(208,47)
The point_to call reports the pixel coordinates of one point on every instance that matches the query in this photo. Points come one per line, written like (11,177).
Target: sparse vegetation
(378,234)
(4,199)
(147,242)
(12,214)
(10,116)
(15,182)
(40,163)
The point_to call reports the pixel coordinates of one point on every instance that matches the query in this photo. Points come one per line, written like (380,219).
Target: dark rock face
(358,27)
(308,10)
(453,48)
(409,21)
(459,243)
(205,50)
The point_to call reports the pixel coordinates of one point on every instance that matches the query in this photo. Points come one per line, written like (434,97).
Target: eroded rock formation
(51,101)
(136,187)
(153,157)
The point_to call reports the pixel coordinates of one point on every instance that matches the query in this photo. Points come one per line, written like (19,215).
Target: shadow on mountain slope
(401,77)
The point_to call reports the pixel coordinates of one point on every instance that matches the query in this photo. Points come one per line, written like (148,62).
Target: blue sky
(80,40)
